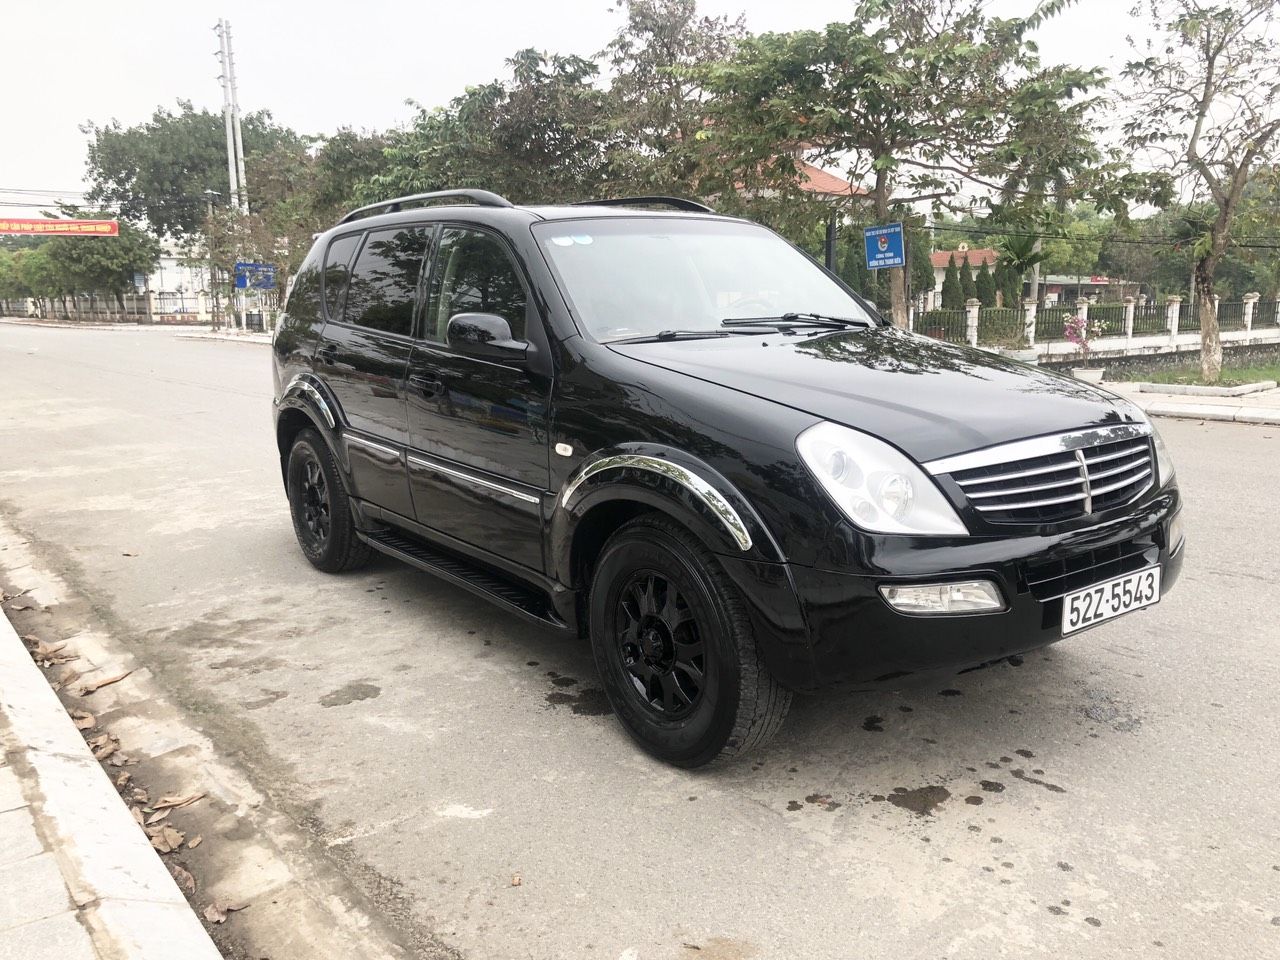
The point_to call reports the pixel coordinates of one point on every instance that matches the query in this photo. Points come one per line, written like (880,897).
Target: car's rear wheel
(321,510)
(675,650)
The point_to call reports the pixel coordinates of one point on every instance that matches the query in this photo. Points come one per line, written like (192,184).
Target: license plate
(1102,601)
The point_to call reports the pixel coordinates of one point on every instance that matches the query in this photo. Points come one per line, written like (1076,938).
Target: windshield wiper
(664,335)
(786,320)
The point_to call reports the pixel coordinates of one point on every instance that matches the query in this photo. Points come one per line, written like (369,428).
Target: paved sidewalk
(78,878)
(1263,407)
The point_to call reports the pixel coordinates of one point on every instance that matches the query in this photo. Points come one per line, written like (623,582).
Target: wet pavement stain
(1063,865)
(565,681)
(1024,753)
(350,693)
(873,724)
(973,801)
(269,697)
(794,805)
(1056,910)
(1095,922)
(1051,787)
(824,801)
(590,702)
(992,786)
(921,801)
(950,693)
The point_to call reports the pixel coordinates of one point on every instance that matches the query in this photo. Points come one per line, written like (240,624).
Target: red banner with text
(22,226)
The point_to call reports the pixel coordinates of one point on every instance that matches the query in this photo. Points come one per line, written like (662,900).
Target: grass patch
(1190,375)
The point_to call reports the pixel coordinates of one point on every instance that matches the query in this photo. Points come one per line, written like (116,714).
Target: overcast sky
(324,64)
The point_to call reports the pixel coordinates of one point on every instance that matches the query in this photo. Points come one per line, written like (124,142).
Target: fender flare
(667,479)
(308,395)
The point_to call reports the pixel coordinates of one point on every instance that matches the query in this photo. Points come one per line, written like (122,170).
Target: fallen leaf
(14,596)
(84,721)
(175,802)
(195,843)
(157,817)
(141,796)
(137,815)
(101,740)
(217,911)
(89,688)
(516,880)
(106,751)
(123,779)
(166,839)
(184,878)
(119,759)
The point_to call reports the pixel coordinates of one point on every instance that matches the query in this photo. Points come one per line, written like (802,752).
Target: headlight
(876,486)
(1164,462)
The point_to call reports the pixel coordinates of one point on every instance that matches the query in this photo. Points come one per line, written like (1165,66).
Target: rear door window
(337,265)
(384,279)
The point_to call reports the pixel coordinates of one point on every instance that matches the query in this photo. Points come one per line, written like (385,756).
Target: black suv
(676,434)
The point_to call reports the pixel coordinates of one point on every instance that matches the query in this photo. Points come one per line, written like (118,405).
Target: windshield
(639,276)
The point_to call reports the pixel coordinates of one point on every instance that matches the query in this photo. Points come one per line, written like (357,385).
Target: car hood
(931,399)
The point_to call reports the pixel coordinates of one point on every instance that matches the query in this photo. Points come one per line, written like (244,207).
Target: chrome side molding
(699,487)
(418,461)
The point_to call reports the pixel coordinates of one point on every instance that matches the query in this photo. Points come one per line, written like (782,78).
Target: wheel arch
(304,404)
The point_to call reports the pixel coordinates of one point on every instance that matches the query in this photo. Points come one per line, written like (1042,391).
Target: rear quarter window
(337,272)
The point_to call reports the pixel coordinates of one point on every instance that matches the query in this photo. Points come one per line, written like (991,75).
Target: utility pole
(224,77)
(235,116)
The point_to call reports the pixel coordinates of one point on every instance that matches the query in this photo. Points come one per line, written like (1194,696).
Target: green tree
(536,137)
(38,274)
(952,292)
(917,99)
(1019,254)
(985,285)
(1204,91)
(1009,284)
(157,172)
(102,265)
(12,287)
(968,289)
(656,106)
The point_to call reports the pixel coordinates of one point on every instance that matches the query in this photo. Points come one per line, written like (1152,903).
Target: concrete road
(1112,796)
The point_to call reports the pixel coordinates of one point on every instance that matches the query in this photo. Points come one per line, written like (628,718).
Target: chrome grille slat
(1069,463)
(1115,455)
(986,494)
(1099,491)
(1025,505)
(1086,475)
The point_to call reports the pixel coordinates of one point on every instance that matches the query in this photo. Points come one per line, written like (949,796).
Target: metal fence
(1230,316)
(1000,326)
(1266,313)
(1110,316)
(949,325)
(1149,319)
(1049,323)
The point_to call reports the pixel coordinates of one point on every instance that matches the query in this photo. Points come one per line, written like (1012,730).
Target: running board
(523,601)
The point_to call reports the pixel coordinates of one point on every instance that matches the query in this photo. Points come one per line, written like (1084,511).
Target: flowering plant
(1080,331)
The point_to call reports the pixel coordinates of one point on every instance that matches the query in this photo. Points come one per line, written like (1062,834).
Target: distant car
(676,434)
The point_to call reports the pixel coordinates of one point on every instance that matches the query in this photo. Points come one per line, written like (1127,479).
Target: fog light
(943,599)
(1175,536)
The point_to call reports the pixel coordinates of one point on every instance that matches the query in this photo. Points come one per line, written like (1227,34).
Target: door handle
(327,352)
(427,386)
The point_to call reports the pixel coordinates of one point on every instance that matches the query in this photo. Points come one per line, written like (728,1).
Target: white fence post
(972,306)
(1029,321)
(1171,317)
(1082,311)
(1129,303)
(1250,300)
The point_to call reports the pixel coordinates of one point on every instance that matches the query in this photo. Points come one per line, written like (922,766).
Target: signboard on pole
(885,247)
(255,276)
(44,226)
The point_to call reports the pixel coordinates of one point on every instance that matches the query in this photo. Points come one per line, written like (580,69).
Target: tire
(683,674)
(321,510)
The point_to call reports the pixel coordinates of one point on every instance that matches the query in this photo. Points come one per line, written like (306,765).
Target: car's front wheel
(675,650)
(322,517)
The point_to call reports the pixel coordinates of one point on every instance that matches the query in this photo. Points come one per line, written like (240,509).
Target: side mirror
(485,336)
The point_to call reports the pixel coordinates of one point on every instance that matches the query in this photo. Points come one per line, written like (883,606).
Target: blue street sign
(255,276)
(884,246)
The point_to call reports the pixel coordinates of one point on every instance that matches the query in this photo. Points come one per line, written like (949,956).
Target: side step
(523,601)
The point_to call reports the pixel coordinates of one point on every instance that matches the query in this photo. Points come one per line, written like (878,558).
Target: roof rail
(481,198)
(677,203)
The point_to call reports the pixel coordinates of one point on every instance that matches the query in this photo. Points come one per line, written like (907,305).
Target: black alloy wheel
(662,647)
(322,515)
(675,650)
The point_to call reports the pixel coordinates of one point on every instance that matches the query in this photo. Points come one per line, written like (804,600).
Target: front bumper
(835,630)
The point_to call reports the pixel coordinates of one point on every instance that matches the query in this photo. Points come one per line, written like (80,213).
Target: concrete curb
(1188,389)
(232,337)
(123,893)
(1204,411)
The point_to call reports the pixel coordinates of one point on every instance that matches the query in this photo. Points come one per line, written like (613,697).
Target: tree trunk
(1210,340)
(897,275)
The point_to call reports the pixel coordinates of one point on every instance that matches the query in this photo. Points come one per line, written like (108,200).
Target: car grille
(1061,485)
(1055,578)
